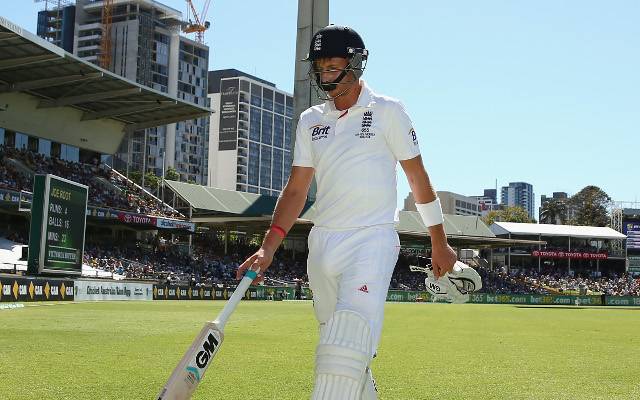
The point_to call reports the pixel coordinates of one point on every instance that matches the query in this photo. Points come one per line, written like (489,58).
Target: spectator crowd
(208,266)
(107,188)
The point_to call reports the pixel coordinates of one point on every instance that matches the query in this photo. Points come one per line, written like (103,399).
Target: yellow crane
(196,25)
(106,42)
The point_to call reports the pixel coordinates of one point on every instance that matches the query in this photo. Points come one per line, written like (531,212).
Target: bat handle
(231,305)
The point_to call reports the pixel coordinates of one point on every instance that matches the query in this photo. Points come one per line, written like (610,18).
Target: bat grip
(231,305)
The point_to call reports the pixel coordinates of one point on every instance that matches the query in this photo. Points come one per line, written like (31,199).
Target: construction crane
(196,25)
(106,42)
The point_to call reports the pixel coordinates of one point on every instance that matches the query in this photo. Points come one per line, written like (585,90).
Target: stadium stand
(208,267)
(210,264)
(107,187)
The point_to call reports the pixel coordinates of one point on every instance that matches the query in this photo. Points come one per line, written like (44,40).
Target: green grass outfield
(126,350)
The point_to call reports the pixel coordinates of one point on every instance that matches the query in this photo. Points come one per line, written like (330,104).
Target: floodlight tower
(312,16)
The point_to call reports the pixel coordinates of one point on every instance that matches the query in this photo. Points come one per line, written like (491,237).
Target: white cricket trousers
(350,269)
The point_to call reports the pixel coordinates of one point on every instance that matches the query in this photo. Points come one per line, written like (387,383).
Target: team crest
(317,44)
(365,132)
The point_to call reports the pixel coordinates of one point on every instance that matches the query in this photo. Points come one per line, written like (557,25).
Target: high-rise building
(146,47)
(57,26)
(250,139)
(487,202)
(457,204)
(451,203)
(519,194)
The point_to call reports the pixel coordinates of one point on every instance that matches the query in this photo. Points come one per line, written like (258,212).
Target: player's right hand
(260,259)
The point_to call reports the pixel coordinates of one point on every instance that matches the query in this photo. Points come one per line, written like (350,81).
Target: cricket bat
(185,378)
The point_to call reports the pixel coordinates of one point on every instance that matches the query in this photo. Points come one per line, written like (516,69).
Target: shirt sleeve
(401,136)
(302,154)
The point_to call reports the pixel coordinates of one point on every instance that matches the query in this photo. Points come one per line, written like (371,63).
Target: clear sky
(545,92)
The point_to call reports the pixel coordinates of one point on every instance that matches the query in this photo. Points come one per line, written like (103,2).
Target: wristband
(431,213)
(279,230)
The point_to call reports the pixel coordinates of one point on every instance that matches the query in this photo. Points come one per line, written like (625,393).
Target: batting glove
(454,286)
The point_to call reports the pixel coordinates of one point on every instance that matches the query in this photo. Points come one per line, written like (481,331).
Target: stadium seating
(107,188)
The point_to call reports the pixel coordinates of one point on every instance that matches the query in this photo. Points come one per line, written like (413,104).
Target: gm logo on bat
(206,352)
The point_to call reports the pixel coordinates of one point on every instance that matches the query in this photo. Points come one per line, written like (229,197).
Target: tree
(508,214)
(151,180)
(135,177)
(590,206)
(171,174)
(554,210)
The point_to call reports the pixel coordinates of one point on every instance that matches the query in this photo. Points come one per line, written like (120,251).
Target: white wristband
(431,213)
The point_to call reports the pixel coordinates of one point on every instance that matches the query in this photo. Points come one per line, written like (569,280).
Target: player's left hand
(443,258)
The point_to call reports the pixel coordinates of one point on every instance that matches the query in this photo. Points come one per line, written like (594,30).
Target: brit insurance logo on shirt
(412,133)
(319,132)
(365,132)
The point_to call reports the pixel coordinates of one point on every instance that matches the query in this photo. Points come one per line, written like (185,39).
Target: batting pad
(370,391)
(342,357)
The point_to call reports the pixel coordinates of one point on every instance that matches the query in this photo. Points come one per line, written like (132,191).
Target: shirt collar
(365,99)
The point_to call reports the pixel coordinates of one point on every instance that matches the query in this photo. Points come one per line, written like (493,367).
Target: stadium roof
(44,86)
(219,205)
(591,232)
(252,213)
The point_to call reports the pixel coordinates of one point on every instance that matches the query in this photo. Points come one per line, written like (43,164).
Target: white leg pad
(342,357)
(370,391)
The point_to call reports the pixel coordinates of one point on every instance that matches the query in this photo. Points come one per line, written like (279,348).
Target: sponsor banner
(228,129)
(178,292)
(38,289)
(11,305)
(533,299)
(568,254)
(525,299)
(101,212)
(14,196)
(175,224)
(400,296)
(104,290)
(136,218)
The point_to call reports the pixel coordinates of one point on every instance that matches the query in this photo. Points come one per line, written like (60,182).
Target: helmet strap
(329,86)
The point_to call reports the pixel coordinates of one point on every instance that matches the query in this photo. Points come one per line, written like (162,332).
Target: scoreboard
(58,220)
(631,228)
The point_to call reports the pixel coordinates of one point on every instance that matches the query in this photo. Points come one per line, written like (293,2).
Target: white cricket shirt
(355,155)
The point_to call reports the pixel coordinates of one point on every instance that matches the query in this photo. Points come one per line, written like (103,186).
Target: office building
(251,136)
(451,203)
(143,43)
(519,194)
(487,202)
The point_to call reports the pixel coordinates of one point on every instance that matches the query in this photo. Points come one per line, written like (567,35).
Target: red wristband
(279,230)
